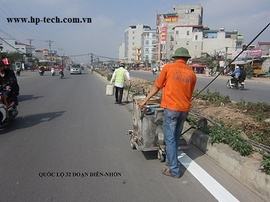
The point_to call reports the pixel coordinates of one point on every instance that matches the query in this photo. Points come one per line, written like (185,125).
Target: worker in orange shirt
(177,81)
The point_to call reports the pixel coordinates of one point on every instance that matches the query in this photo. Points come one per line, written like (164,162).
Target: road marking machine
(147,133)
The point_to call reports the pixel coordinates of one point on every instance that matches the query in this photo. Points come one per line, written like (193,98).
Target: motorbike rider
(235,75)
(154,68)
(53,71)
(243,74)
(18,70)
(61,70)
(9,80)
(41,70)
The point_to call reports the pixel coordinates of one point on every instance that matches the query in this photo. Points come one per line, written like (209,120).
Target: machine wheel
(241,86)
(161,155)
(132,145)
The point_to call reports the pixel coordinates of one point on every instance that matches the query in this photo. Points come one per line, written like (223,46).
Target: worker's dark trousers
(118,94)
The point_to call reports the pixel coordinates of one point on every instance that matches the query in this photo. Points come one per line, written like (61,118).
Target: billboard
(171,19)
(255,53)
(163,34)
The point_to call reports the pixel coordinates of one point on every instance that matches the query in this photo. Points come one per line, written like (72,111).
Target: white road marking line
(216,189)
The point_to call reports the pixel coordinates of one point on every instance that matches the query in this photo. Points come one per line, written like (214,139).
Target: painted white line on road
(216,189)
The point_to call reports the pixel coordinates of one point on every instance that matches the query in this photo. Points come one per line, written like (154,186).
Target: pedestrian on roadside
(119,76)
(178,82)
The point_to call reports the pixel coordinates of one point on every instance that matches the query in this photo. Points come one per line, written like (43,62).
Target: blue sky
(110,18)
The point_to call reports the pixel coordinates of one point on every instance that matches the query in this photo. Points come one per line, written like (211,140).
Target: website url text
(48,20)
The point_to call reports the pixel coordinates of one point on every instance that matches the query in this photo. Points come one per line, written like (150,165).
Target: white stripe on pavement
(217,190)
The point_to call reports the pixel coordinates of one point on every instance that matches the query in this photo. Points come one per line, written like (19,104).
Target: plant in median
(265,163)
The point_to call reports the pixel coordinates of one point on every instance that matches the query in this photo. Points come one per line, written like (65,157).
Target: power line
(11,45)
(21,26)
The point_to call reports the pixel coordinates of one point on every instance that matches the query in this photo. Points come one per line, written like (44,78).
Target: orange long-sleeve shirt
(178,82)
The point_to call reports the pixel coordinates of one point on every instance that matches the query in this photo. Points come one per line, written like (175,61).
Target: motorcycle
(61,73)
(12,111)
(41,72)
(52,71)
(154,70)
(18,72)
(231,83)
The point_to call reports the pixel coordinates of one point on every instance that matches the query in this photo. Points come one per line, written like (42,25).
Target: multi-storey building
(148,46)
(133,42)
(184,28)
(186,16)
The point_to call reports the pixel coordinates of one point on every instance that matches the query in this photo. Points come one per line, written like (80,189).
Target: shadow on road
(30,121)
(28,97)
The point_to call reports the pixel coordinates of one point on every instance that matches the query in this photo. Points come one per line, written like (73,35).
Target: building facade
(133,42)
(265,47)
(184,28)
(182,15)
(148,46)
(11,45)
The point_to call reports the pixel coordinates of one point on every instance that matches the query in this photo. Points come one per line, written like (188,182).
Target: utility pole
(50,45)
(30,41)
(92,58)
(226,55)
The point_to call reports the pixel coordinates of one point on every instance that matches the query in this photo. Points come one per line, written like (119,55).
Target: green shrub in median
(265,163)
(232,137)
(222,134)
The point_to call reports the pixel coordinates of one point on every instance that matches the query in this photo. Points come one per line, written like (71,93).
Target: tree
(13,56)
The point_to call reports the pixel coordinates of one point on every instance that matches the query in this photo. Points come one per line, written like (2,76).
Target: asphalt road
(256,90)
(69,143)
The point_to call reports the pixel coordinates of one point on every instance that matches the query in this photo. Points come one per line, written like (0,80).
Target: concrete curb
(244,169)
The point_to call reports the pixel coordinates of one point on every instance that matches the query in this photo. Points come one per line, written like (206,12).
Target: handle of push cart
(147,107)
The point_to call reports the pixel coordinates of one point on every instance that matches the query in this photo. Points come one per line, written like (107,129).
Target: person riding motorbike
(154,68)
(18,70)
(9,79)
(41,70)
(53,71)
(61,70)
(235,75)
(8,82)
(243,74)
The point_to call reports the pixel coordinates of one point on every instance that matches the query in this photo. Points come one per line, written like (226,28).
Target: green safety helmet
(181,52)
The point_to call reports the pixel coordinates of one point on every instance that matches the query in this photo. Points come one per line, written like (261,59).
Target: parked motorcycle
(232,82)
(12,111)
(61,74)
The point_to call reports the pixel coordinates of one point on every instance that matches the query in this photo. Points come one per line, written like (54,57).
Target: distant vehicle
(46,64)
(76,69)
(29,66)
